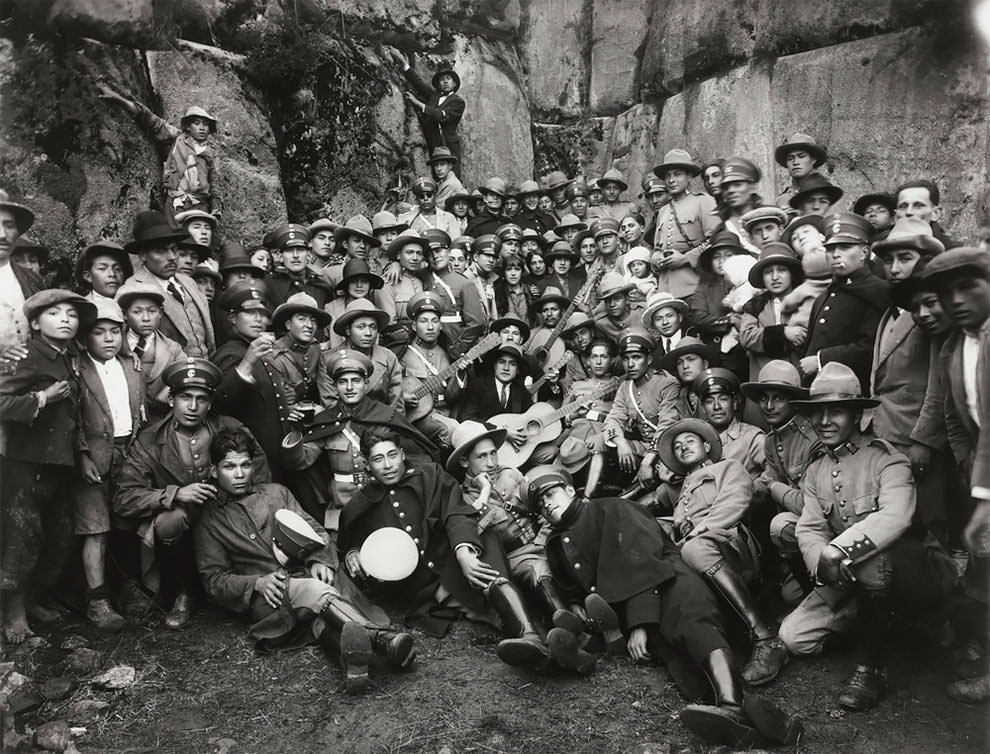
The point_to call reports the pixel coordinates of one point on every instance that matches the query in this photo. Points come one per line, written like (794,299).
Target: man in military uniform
(577,200)
(292,243)
(739,179)
(800,155)
(328,449)
(409,250)
(464,319)
(612,184)
(656,195)
(721,403)
(645,405)
(356,239)
(164,481)
(427,214)
(856,536)
(845,318)
(530,215)
(296,355)
(615,311)
(424,358)
(683,225)
(613,550)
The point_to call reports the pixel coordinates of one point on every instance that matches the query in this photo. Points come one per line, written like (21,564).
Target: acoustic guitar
(558,365)
(543,423)
(543,354)
(426,390)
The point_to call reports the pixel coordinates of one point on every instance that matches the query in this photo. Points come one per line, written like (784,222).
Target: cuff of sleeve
(469,546)
(981,493)
(245,375)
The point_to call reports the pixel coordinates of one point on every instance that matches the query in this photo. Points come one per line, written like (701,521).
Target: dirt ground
(203,690)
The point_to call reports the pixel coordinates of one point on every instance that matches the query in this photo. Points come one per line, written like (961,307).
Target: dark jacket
(439,122)
(483,400)
(844,321)
(94,435)
(280,285)
(536,220)
(44,436)
(483,223)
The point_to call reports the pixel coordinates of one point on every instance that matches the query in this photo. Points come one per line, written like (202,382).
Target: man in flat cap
(668,612)
(845,317)
(165,479)
(683,225)
(764,225)
(856,535)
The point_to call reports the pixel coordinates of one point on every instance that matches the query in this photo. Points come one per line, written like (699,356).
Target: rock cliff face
(312,120)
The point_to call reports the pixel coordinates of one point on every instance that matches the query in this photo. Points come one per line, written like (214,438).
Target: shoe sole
(521,652)
(565,652)
(715,725)
(607,623)
(772,721)
(404,653)
(355,656)
(568,621)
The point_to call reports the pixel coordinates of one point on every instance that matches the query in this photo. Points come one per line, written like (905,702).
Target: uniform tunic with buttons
(859,497)
(698,217)
(385,383)
(656,396)
(300,368)
(745,443)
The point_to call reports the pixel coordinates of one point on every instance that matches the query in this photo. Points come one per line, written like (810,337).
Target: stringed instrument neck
(434,383)
(593,277)
(569,408)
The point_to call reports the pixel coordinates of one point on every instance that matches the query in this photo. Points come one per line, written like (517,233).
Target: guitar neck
(436,382)
(569,408)
(566,315)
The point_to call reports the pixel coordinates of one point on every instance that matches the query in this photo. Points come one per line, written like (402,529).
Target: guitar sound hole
(532,428)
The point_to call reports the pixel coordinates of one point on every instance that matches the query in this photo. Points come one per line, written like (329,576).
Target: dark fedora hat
(354,268)
(446,67)
(815,183)
(152,230)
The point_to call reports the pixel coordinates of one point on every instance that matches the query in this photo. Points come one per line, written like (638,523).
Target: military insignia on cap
(255,294)
(836,226)
(191,372)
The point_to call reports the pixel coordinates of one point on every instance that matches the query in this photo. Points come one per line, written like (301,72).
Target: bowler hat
(777,375)
(680,159)
(354,268)
(910,233)
(740,169)
(636,340)
(103,247)
(357,225)
(493,185)
(299,303)
(40,301)
(441,154)
(836,384)
(846,227)
(152,230)
(346,360)
(356,309)
(613,284)
(704,430)
(509,349)
(614,176)
(884,199)
(195,111)
(23,217)
(723,239)
(661,300)
(192,371)
(502,322)
(796,142)
(687,345)
(815,183)
(446,67)
(466,436)
(776,252)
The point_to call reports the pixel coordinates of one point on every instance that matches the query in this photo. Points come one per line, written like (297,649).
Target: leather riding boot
(567,654)
(395,646)
(723,722)
(604,621)
(557,608)
(769,654)
(523,645)
(800,572)
(347,640)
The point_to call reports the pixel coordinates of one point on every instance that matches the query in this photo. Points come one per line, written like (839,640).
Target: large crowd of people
(603,425)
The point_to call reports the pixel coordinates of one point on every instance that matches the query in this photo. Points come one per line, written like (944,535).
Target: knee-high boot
(178,564)
(523,644)
(800,572)
(563,617)
(395,646)
(769,654)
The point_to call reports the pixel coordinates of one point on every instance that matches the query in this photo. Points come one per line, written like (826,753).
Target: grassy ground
(203,690)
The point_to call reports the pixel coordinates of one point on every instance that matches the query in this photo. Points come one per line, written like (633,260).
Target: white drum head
(389,554)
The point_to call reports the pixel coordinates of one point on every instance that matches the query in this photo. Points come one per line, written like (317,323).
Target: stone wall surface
(313,119)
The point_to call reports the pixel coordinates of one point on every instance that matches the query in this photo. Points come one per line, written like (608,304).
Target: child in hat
(639,273)
(111,411)
(190,173)
(40,409)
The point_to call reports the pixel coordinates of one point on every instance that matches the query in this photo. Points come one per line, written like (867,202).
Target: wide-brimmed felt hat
(887,200)
(494,185)
(691,344)
(195,111)
(557,179)
(512,350)
(405,238)
(299,303)
(576,321)
(573,454)
(815,183)
(442,154)
(202,251)
(323,223)
(23,216)
(445,67)
(816,221)
(570,221)
(196,214)
(835,385)
(356,309)
(777,375)
(527,187)
(723,239)
(658,301)
(800,141)
(132,289)
(385,220)
(551,294)
(40,301)
(613,284)
(677,158)
(358,268)
(152,230)
(776,252)
(204,270)
(614,176)
(455,197)
(562,249)
(468,434)
(103,247)
(357,225)
(704,430)
(502,322)
(910,233)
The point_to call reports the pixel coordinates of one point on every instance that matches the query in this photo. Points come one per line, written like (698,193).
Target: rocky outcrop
(552,50)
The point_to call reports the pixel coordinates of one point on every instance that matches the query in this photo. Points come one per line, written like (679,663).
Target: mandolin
(425,391)
(543,423)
